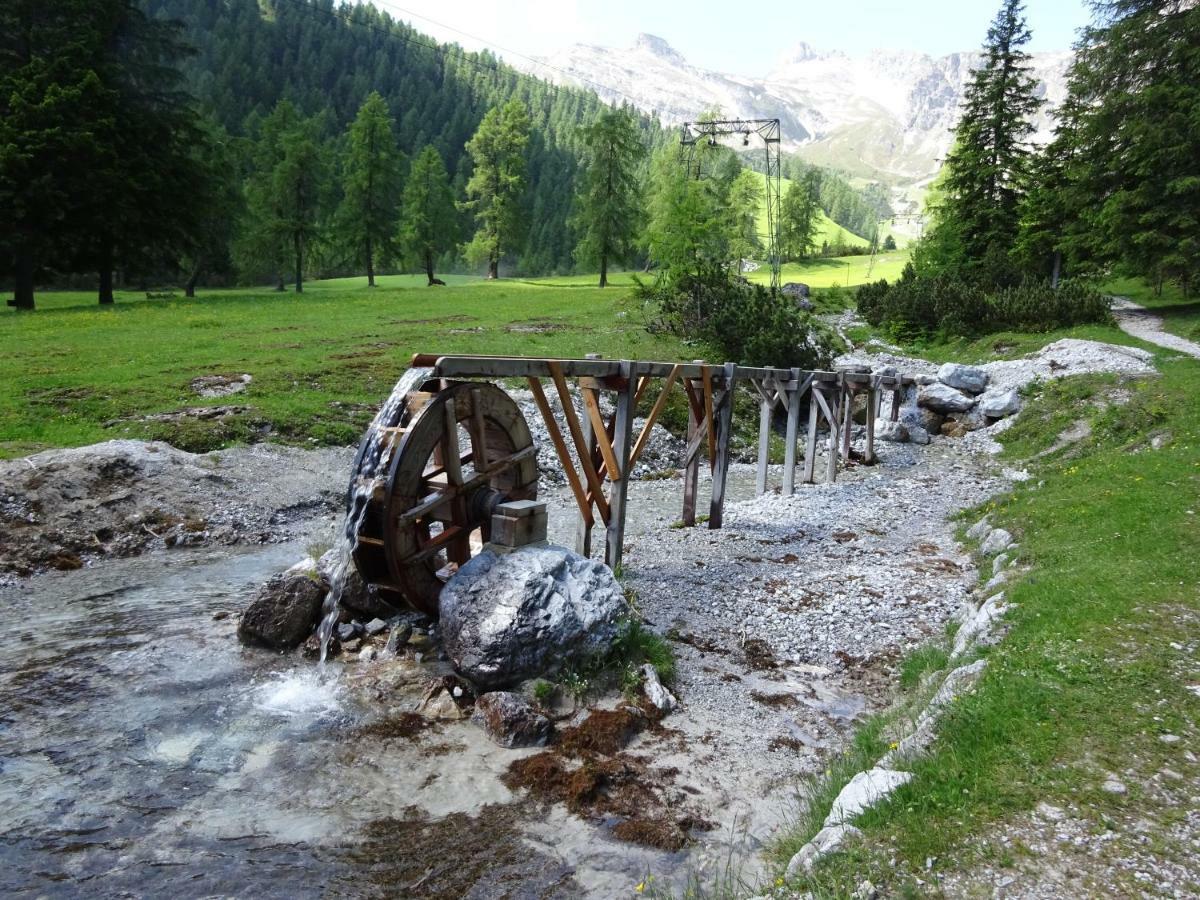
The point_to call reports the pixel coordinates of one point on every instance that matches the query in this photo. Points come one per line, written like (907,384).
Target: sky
(740,38)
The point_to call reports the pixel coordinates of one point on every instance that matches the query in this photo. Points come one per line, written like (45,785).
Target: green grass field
(72,373)
(828,230)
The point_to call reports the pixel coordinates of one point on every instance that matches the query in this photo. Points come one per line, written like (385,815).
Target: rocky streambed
(144,750)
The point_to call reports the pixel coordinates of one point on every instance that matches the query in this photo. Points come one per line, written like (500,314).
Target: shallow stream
(143,751)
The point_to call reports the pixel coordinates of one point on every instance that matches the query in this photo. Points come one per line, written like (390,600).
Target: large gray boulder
(920,417)
(509,617)
(942,398)
(286,609)
(963,378)
(894,432)
(999,404)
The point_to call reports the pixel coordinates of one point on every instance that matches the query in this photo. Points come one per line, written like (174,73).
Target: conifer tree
(986,172)
(298,186)
(497,184)
(428,225)
(47,94)
(800,215)
(745,198)
(371,184)
(1130,138)
(609,210)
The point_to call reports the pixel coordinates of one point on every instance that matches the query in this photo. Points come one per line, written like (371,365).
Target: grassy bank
(72,373)
(1092,676)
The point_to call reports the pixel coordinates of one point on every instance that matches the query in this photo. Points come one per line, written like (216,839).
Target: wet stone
(284,611)
(510,720)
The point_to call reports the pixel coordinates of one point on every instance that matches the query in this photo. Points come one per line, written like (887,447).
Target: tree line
(1114,193)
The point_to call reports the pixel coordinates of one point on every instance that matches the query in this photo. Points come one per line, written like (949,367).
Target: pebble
(1113,786)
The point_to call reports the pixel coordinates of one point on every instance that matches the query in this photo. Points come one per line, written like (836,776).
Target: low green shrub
(741,322)
(921,306)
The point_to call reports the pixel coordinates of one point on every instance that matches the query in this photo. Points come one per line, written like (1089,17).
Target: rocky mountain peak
(656,46)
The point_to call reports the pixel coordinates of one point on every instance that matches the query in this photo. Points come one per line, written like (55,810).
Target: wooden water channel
(606,449)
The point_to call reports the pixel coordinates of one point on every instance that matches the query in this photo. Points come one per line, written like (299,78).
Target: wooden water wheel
(451,452)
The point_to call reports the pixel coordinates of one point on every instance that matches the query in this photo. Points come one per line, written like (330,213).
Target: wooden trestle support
(598,453)
(457,447)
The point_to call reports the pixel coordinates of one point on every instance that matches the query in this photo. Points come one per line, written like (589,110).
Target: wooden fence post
(723,421)
(619,481)
(789,449)
(583,528)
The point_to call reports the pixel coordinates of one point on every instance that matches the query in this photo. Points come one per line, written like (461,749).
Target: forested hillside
(327,59)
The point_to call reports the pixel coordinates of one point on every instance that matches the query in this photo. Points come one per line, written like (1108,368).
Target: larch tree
(746,193)
(428,220)
(497,184)
(800,214)
(298,186)
(372,173)
(608,211)
(987,170)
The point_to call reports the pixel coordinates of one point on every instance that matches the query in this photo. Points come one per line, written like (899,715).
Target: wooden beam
(765,409)
(619,483)
(585,458)
(706,382)
(789,449)
(655,411)
(724,425)
(560,447)
(583,527)
(599,434)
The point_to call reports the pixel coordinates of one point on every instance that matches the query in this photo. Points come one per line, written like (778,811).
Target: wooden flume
(460,445)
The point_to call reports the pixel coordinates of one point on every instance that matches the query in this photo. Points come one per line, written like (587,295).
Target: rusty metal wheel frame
(463,447)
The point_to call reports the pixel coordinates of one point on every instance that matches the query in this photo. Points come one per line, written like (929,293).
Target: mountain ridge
(884,113)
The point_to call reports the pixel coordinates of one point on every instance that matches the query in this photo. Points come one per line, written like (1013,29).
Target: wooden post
(765,408)
(691,464)
(834,427)
(583,527)
(810,448)
(789,449)
(619,481)
(894,415)
(723,422)
(847,409)
(873,399)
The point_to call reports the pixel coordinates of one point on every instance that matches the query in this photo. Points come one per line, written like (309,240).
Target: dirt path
(1140,322)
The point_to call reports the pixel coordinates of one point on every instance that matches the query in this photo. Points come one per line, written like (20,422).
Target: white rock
(957,683)
(944,399)
(1000,404)
(997,540)
(979,530)
(1113,786)
(999,563)
(963,378)
(662,699)
(865,790)
(893,432)
(977,628)
(824,842)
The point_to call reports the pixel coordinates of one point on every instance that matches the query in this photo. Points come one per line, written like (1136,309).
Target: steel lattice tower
(768,130)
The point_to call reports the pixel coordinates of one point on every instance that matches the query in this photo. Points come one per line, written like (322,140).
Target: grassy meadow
(73,373)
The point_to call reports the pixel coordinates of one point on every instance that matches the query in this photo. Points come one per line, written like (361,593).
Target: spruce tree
(48,94)
(298,187)
(745,199)
(371,184)
(428,224)
(986,172)
(497,184)
(609,211)
(1131,135)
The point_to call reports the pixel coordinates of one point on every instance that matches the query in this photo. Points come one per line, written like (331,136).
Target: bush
(923,306)
(740,322)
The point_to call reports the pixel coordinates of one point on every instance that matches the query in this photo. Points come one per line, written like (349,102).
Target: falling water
(367,476)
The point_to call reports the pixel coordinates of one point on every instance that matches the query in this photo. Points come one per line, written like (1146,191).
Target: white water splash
(303,693)
(369,474)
